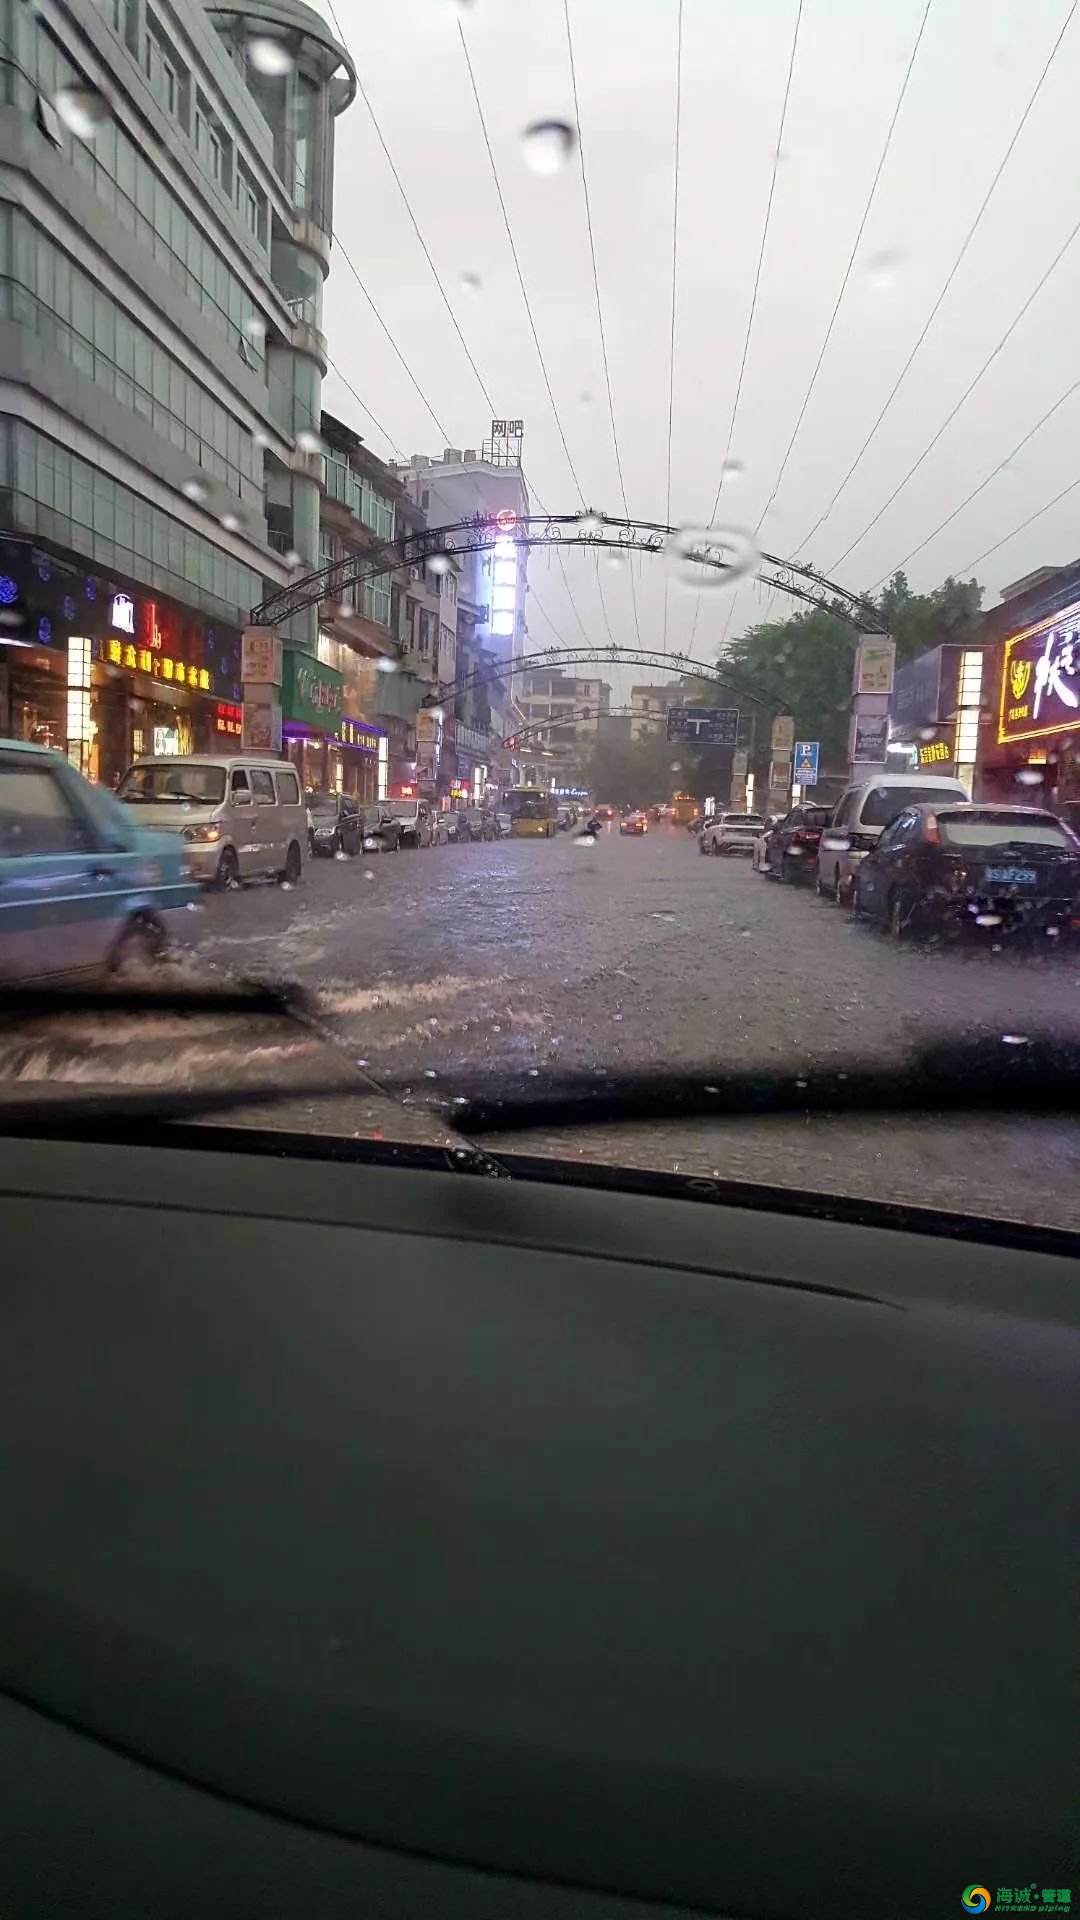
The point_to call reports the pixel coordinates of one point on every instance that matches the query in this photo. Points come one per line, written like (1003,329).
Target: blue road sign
(705,726)
(805,769)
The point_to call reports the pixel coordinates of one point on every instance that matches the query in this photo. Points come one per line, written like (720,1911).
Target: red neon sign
(506,519)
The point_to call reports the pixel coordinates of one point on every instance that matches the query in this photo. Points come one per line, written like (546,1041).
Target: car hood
(171,816)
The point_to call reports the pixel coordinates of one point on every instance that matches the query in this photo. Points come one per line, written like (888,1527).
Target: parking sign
(807,755)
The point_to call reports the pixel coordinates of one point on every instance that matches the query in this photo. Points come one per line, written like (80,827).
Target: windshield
(1004,829)
(171,781)
(592,434)
(882,804)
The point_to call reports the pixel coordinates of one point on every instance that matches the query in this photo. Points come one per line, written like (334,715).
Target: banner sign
(704,726)
(1040,679)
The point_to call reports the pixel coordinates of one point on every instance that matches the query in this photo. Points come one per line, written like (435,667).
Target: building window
(163,70)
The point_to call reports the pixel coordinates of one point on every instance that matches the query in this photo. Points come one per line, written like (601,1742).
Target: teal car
(83,889)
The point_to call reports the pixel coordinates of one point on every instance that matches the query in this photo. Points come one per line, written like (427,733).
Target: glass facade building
(165,232)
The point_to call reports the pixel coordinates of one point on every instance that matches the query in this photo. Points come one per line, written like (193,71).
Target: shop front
(935,714)
(102,671)
(1033,750)
(331,751)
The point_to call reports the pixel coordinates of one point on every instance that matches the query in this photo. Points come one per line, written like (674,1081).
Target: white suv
(861,815)
(731,833)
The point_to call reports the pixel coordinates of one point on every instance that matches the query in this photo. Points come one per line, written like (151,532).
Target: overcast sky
(976,67)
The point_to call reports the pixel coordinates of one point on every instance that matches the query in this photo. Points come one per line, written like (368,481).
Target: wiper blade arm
(991,1074)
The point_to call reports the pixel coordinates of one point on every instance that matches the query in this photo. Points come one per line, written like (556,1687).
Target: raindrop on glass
(988,920)
(255,329)
(1015,1039)
(230,522)
(534,1073)
(548,145)
(711,559)
(269,56)
(259,438)
(292,558)
(731,473)
(430,1073)
(614,562)
(589,522)
(383,665)
(585,840)
(676,766)
(82,109)
(883,269)
(341,854)
(368,875)
(471,284)
(309,441)
(439,563)
(195,489)
(927,733)
(286,886)
(1029,776)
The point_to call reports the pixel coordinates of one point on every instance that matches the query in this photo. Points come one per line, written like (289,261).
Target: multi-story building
(573,706)
(649,707)
(166,180)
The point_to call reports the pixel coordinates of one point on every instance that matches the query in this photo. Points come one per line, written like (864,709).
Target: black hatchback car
(791,845)
(993,869)
(335,822)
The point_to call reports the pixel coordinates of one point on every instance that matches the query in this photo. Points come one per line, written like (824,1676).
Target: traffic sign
(704,726)
(807,755)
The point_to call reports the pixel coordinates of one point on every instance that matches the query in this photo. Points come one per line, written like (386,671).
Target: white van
(861,815)
(240,814)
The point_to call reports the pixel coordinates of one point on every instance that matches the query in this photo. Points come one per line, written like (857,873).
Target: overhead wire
(754,300)
(1019,528)
(596,292)
(948,281)
(1024,308)
(998,467)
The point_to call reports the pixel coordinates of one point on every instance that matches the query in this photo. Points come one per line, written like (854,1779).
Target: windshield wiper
(1010,1073)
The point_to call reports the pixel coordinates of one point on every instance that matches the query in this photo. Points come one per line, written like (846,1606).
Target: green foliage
(634,773)
(809,659)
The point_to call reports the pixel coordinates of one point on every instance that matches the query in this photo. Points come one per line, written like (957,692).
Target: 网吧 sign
(704,726)
(1040,679)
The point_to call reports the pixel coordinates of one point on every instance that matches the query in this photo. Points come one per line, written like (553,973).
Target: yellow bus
(683,808)
(532,813)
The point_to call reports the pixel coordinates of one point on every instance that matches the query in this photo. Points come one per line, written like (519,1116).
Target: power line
(983,484)
(754,294)
(851,262)
(1019,528)
(1023,309)
(596,291)
(949,278)
(674,275)
(366,410)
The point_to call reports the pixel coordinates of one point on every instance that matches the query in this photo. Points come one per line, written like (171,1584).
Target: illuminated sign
(229,718)
(123,613)
(1040,679)
(506,519)
(162,666)
(352,733)
(934,753)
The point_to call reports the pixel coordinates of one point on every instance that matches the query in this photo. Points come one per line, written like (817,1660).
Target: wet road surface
(522,958)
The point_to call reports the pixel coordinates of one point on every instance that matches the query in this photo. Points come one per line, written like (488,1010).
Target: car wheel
(701,847)
(138,951)
(228,870)
(820,888)
(291,871)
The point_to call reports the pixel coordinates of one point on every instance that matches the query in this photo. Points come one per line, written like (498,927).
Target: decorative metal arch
(728,554)
(446,691)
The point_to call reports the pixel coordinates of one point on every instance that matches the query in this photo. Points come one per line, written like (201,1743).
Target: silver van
(239,813)
(862,814)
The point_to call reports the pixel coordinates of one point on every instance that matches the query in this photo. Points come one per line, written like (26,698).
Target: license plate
(1011,876)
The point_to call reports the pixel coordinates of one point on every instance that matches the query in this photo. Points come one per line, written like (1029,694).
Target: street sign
(807,754)
(704,726)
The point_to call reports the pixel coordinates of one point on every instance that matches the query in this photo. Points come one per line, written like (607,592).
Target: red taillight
(806,836)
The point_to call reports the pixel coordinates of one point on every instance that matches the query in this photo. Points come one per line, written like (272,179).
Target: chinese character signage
(262,725)
(934,753)
(874,663)
(312,695)
(261,657)
(1040,679)
(704,726)
(870,733)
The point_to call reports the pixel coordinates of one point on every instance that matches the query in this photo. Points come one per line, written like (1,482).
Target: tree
(807,661)
(633,773)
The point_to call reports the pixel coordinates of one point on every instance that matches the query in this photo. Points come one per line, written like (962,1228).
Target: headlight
(204,835)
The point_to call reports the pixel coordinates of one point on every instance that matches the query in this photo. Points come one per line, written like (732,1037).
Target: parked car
(418,823)
(789,848)
(861,814)
(726,833)
(503,824)
(85,888)
(381,829)
(990,869)
(335,823)
(238,814)
(633,823)
(479,824)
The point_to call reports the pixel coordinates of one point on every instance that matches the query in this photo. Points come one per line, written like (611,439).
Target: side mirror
(835,843)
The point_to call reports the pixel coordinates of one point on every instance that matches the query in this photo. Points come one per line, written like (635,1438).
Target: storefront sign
(262,726)
(260,659)
(311,693)
(229,720)
(870,735)
(123,613)
(352,733)
(162,666)
(933,753)
(1040,680)
(874,664)
(916,692)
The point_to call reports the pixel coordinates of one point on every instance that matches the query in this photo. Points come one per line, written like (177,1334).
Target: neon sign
(161,666)
(229,718)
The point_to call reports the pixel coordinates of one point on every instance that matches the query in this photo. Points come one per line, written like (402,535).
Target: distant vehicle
(417,817)
(503,823)
(989,870)
(85,888)
(789,848)
(239,814)
(456,830)
(684,808)
(727,833)
(532,813)
(381,829)
(607,812)
(564,818)
(860,815)
(336,826)
(633,823)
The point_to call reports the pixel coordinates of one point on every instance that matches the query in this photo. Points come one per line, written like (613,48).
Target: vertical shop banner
(262,723)
(875,661)
(260,657)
